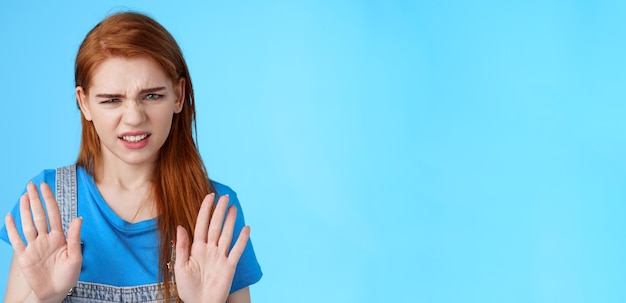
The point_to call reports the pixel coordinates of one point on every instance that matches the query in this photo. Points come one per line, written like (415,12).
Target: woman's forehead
(128,74)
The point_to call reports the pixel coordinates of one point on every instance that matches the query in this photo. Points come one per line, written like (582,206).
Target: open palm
(50,263)
(205,272)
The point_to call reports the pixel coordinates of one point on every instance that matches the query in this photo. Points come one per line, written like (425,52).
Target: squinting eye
(110,101)
(153,96)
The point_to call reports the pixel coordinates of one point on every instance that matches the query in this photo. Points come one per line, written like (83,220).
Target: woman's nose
(134,113)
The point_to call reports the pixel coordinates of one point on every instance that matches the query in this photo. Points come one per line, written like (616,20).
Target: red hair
(180,182)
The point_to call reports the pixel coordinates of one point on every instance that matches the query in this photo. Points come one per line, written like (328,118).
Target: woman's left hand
(205,273)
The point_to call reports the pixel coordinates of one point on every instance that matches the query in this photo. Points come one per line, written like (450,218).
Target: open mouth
(134,139)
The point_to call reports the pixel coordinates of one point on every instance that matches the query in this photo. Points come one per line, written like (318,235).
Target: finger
(74,250)
(227,232)
(182,246)
(14,236)
(54,216)
(41,223)
(26,217)
(240,245)
(215,229)
(202,223)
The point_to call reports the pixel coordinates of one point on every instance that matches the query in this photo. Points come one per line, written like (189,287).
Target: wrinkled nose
(134,114)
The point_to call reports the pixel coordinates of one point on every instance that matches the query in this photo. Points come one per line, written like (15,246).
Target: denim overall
(66,194)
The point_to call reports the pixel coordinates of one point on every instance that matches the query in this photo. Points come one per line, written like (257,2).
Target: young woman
(147,224)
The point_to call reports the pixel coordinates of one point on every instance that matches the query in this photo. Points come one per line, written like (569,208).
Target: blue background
(384,151)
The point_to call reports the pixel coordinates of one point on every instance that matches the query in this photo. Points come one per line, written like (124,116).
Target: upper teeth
(134,138)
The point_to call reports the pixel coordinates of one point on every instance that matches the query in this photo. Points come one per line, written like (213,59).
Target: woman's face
(131,103)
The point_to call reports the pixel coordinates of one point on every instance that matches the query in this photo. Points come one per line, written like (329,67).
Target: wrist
(32,298)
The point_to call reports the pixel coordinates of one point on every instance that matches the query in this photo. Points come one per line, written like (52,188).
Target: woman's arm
(17,288)
(240,296)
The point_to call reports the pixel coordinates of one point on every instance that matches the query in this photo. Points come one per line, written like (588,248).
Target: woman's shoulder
(47,175)
(223,189)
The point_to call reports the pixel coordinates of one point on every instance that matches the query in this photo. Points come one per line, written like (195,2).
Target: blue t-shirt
(119,253)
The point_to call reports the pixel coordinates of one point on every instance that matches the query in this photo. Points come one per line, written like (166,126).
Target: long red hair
(181,181)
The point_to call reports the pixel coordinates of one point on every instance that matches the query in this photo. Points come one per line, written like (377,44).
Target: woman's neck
(127,189)
(124,175)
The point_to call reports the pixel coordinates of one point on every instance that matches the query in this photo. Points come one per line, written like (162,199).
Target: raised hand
(206,273)
(49,263)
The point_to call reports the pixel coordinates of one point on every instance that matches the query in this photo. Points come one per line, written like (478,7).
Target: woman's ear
(82,102)
(180,95)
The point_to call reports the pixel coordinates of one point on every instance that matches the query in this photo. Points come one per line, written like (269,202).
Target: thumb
(182,246)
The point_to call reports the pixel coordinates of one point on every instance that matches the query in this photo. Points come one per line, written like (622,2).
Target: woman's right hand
(49,263)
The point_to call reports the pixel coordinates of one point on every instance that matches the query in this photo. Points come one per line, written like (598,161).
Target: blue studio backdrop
(383,151)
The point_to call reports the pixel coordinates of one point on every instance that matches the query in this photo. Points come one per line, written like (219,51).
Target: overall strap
(66,194)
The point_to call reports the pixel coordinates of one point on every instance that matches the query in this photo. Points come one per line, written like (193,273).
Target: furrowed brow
(109,96)
(152,90)
(143,91)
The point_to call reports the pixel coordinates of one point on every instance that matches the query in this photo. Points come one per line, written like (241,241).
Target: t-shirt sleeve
(248,270)
(48,176)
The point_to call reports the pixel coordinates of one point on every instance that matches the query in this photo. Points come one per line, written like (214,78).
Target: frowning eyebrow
(143,91)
